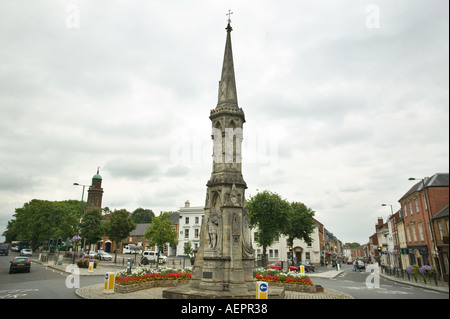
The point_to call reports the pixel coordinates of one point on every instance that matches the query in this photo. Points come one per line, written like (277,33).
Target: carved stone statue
(213,228)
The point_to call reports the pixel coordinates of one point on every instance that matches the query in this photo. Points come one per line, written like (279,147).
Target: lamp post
(432,248)
(398,260)
(79,217)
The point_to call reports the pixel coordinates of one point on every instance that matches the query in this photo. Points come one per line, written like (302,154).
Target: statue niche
(214,226)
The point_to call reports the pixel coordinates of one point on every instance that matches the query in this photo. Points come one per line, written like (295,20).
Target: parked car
(308,266)
(90,255)
(152,256)
(20,264)
(104,255)
(278,266)
(26,252)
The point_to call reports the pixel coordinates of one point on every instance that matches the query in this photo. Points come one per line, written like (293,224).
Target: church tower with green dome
(95,192)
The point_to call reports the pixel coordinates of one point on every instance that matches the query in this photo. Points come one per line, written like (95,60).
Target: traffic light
(379,250)
(59,242)
(50,242)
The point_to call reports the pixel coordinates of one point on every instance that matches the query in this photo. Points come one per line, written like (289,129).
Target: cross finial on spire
(229,16)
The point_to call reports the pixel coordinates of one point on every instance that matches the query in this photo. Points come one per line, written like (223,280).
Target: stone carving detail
(247,247)
(236,225)
(214,222)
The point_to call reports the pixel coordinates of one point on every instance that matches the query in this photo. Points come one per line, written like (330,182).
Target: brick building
(419,204)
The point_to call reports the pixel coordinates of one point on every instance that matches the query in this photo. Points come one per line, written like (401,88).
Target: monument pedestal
(187,292)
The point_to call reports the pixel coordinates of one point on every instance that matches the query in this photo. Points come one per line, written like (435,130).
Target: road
(47,283)
(354,284)
(39,283)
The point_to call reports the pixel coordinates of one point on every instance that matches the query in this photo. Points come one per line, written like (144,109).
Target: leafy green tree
(91,227)
(118,227)
(269,213)
(160,232)
(300,223)
(142,216)
(38,220)
(353,245)
(188,251)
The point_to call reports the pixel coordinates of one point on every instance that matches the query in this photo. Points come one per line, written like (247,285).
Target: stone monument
(225,264)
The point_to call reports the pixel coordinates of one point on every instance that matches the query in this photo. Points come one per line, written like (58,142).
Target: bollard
(129,266)
(109,283)
(262,290)
(302,269)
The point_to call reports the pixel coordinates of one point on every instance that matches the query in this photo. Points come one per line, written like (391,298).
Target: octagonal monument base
(187,292)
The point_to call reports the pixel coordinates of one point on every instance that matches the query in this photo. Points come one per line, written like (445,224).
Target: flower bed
(277,276)
(145,278)
(84,262)
(291,281)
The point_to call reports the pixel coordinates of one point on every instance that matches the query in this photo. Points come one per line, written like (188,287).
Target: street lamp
(427,207)
(79,218)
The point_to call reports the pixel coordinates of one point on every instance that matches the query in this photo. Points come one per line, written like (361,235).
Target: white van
(151,256)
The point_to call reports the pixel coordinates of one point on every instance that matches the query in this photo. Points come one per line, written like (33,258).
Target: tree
(119,227)
(300,224)
(269,213)
(161,232)
(90,227)
(39,220)
(188,251)
(142,216)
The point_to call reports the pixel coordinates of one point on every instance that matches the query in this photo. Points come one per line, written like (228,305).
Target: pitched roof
(442,213)
(139,230)
(437,180)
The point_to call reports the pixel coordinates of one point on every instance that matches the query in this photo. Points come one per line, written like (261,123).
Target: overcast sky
(344,101)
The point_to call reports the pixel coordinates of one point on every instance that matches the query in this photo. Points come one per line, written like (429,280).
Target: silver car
(26,252)
(104,255)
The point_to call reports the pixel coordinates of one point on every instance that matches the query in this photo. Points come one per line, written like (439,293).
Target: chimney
(380,221)
(187,204)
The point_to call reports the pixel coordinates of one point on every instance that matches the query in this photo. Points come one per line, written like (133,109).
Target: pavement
(97,291)
(430,285)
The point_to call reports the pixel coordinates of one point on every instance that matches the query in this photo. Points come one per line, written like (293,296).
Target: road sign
(262,290)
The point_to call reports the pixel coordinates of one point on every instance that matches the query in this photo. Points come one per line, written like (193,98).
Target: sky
(344,101)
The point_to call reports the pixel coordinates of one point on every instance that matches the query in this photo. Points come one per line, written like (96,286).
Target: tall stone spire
(227,84)
(225,263)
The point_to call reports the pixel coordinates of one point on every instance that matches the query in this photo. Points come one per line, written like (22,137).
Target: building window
(410,208)
(421,232)
(196,232)
(425,201)
(417,204)
(186,233)
(441,232)
(408,233)
(414,232)
(276,253)
(186,220)
(270,253)
(405,209)
(197,220)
